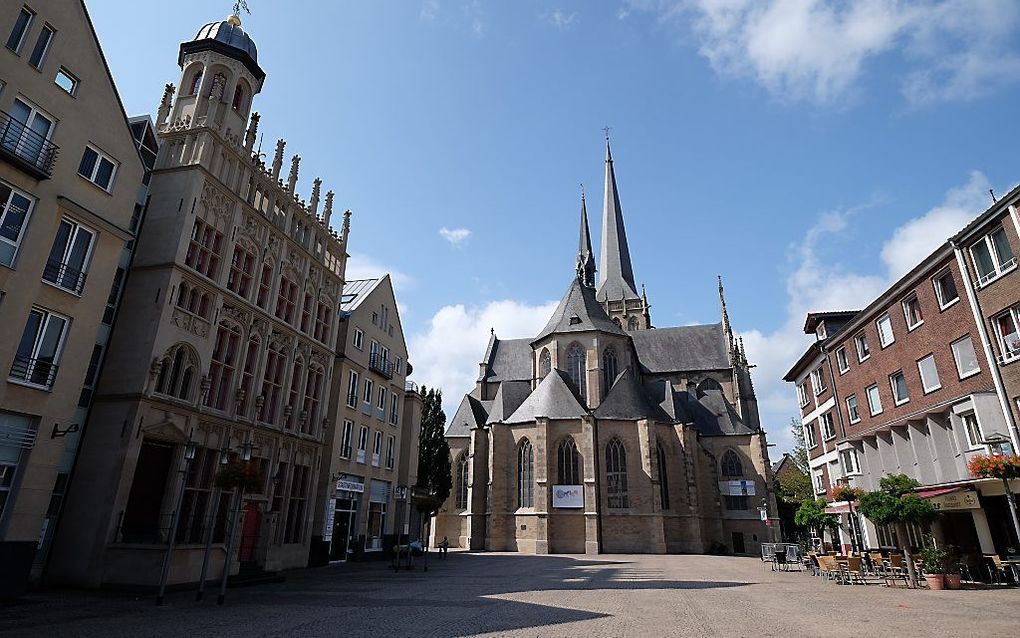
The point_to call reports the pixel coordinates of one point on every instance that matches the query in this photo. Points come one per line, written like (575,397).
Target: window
(265,286)
(362,443)
(204,249)
(306,312)
(272,383)
(841,360)
(568,464)
(193,299)
(380,405)
(242,268)
(313,396)
(992,256)
(394,412)
(98,167)
(352,390)
(27,135)
(810,438)
(577,368)
(525,475)
(461,495)
(251,362)
(820,331)
(973,430)
(912,312)
(861,343)
(114,297)
(1006,333)
(197,502)
(874,400)
(294,528)
(40,347)
(616,475)
(398,366)
(898,382)
(238,102)
(15,210)
(196,83)
(544,363)
(66,81)
(345,439)
(178,370)
(851,464)
(391,448)
(286,300)
(42,46)
(21,25)
(223,366)
(295,392)
(367,397)
(945,289)
(819,483)
(827,425)
(802,395)
(929,373)
(69,256)
(885,331)
(359,339)
(852,411)
(323,321)
(737,503)
(376,449)
(731,465)
(966,358)
(90,376)
(663,476)
(818,380)
(608,369)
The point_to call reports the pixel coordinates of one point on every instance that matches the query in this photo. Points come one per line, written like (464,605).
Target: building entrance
(345,522)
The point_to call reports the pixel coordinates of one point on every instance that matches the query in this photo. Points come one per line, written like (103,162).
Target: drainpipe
(993,366)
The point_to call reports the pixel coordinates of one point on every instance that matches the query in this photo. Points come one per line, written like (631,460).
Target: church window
(251,361)
(632,323)
(196,83)
(663,476)
(204,249)
(272,384)
(224,363)
(525,475)
(177,373)
(577,368)
(568,463)
(462,482)
(242,267)
(609,369)
(708,384)
(616,475)
(544,364)
(238,103)
(295,391)
(731,465)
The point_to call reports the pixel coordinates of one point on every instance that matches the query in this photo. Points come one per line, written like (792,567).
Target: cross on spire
(239,5)
(606,129)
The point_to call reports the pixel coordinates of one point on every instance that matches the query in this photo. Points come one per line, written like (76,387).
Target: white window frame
(359,338)
(971,443)
(854,467)
(940,293)
(75,82)
(842,360)
(802,395)
(956,358)
(352,389)
(16,244)
(906,311)
(47,316)
(391,451)
(46,49)
(32,15)
(851,411)
(362,444)
(819,482)
(999,268)
(861,338)
(810,440)
(935,368)
(827,426)
(95,169)
(878,397)
(818,381)
(892,334)
(377,448)
(346,437)
(820,330)
(1008,353)
(897,400)
(76,228)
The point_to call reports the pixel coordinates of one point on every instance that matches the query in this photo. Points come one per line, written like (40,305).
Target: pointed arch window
(272,383)
(224,363)
(568,463)
(525,474)
(177,373)
(609,369)
(462,482)
(544,363)
(251,362)
(577,367)
(708,384)
(731,465)
(663,476)
(632,323)
(196,82)
(616,475)
(295,392)
(238,102)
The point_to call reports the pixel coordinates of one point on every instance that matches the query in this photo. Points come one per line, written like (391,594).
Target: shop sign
(568,496)
(350,486)
(736,488)
(327,524)
(964,500)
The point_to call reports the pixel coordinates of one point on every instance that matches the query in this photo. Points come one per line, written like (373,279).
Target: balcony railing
(64,276)
(35,371)
(379,364)
(26,148)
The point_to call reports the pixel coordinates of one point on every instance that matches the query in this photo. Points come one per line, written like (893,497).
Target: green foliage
(811,513)
(794,488)
(937,560)
(894,502)
(799,452)
(435,474)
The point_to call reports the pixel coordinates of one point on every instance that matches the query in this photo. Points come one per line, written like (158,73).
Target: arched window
(616,474)
(525,475)
(616,320)
(224,363)
(632,323)
(663,476)
(238,102)
(196,83)
(577,367)
(731,465)
(178,372)
(568,463)
(609,369)
(183,295)
(251,362)
(462,482)
(313,395)
(272,383)
(242,270)
(706,385)
(544,363)
(295,392)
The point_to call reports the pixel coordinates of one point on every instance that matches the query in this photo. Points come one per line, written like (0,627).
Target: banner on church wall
(568,496)
(736,488)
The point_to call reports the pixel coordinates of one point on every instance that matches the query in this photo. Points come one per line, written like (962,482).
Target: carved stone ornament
(216,201)
(236,314)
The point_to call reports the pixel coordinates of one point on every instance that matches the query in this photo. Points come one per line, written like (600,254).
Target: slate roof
(617,281)
(579,311)
(508,360)
(628,400)
(471,414)
(227,38)
(681,349)
(509,396)
(713,415)
(552,399)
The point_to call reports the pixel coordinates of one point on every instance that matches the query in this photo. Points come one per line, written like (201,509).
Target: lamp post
(246,451)
(190,447)
(998,442)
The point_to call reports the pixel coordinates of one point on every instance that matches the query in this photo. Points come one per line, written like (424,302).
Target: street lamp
(190,449)
(996,444)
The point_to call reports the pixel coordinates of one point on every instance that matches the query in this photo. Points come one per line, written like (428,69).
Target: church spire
(727,329)
(617,281)
(585,256)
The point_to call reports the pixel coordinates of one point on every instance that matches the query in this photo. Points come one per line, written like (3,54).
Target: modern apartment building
(365,487)
(916,383)
(223,352)
(69,177)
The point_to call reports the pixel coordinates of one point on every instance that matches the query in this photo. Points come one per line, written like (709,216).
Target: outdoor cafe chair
(853,570)
(998,571)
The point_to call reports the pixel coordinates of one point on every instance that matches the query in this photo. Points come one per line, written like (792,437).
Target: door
(250,532)
(344,522)
(738,543)
(28,132)
(142,522)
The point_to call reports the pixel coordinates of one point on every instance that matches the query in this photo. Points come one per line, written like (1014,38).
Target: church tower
(616,290)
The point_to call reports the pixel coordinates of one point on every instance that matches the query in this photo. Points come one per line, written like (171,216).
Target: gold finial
(234,20)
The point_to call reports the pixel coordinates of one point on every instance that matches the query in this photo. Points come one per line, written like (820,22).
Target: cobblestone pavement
(514,595)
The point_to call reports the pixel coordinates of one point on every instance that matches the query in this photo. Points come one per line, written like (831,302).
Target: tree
(894,503)
(799,452)
(811,514)
(793,487)
(435,474)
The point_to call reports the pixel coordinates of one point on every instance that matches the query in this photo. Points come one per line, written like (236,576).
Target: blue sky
(807,151)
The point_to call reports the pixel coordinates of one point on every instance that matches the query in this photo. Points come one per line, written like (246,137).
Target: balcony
(64,276)
(37,372)
(383,366)
(25,148)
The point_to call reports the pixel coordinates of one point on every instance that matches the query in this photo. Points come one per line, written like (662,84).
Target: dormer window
(820,330)
(574,320)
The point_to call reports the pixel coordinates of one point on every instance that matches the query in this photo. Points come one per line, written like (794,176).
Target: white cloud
(447,352)
(823,284)
(475,17)
(429,11)
(560,20)
(361,266)
(455,236)
(817,50)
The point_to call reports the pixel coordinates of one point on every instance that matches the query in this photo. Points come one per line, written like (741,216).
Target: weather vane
(606,129)
(241,4)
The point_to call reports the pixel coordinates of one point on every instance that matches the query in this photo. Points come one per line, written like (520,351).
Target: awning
(939,491)
(837,508)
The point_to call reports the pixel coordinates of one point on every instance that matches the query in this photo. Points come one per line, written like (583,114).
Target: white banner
(568,496)
(736,488)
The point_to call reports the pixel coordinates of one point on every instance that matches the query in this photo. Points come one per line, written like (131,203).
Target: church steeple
(585,256)
(617,280)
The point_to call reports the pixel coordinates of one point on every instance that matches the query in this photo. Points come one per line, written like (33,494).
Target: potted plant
(952,575)
(935,560)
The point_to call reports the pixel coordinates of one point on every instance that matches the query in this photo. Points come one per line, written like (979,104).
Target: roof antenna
(992,193)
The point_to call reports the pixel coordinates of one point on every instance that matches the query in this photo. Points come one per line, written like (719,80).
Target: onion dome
(228,38)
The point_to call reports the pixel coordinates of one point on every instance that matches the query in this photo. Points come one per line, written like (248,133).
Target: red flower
(998,466)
